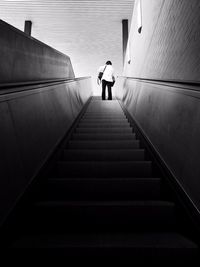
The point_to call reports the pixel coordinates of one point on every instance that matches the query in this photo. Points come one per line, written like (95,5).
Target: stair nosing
(117,203)
(105,162)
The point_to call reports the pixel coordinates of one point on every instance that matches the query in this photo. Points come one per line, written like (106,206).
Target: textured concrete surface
(168,48)
(25,59)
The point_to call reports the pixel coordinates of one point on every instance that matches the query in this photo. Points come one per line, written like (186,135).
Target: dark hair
(108,62)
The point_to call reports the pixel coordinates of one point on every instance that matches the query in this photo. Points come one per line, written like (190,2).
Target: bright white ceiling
(89,31)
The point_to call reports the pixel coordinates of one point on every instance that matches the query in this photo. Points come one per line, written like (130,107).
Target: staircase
(104,201)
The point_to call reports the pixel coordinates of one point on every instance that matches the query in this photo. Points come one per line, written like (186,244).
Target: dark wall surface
(32,122)
(168,113)
(169,116)
(25,59)
(33,118)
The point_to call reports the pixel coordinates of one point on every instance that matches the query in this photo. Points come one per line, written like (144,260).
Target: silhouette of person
(107,79)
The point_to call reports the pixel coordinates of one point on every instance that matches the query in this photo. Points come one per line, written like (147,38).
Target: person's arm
(99,70)
(113,75)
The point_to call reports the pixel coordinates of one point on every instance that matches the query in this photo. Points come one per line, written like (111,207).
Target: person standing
(107,78)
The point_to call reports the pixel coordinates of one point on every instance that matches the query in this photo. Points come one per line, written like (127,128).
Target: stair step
(104,130)
(121,115)
(99,126)
(56,216)
(104,121)
(144,240)
(95,118)
(121,249)
(103,124)
(123,144)
(102,189)
(105,112)
(105,169)
(104,154)
(108,119)
(102,216)
(103,136)
(105,109)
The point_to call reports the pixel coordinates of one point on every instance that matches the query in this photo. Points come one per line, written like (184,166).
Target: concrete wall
(33,118)
(167,48)
(32,122)
(25,59)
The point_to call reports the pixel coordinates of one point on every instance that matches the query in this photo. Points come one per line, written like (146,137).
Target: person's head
(108,62)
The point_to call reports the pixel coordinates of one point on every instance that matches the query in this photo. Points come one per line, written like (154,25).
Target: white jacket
(108,73)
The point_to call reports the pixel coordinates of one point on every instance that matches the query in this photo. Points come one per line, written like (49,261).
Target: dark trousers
(108,84)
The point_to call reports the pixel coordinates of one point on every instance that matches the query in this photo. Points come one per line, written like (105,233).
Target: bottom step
(120,248)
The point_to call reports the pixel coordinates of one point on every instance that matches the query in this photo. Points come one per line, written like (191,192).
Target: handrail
(160,81)
(8,88)
(20,84)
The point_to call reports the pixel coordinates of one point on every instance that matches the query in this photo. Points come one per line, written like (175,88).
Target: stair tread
(112,141)
(105,125)
(102,189)
(128,163)
(149,214)
(124,163)
(122,179)
(103,130)
(104,120)
(104,144)
(94,118)
(109,151)
(104,154)
(103,136)
(105,141)
(85,203)
(102,168)
(154,240)
(104,117)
